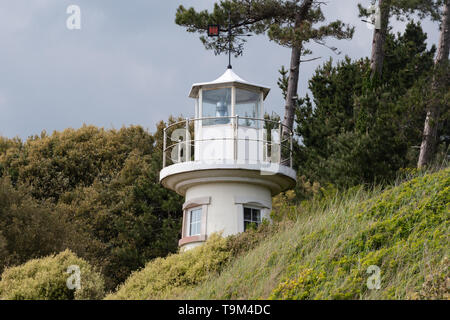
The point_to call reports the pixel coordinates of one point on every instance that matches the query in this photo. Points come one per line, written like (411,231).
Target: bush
(104,183)
(163,276)
(243,242)
(31,229)
(46,279)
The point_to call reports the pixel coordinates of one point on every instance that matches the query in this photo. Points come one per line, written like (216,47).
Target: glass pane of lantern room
(216,103)
(247,105)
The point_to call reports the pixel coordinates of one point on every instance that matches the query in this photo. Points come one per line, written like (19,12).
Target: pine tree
(353,131)
(288,23)
(379,38)
(400,9)
(440,81)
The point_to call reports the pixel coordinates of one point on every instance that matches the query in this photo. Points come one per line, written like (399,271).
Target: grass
(326,250)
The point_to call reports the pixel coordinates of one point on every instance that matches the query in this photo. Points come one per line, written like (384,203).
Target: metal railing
(183,143)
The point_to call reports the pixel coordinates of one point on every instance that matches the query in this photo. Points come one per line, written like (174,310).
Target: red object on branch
(213,30)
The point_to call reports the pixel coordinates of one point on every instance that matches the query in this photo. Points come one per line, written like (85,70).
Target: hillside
(321,249)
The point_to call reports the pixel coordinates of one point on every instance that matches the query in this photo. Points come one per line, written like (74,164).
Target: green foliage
(325,254)
(406,8)
(320,249)
(246,17)
(103,185)
(355,131)
(283,207)
(164,276)
(46,279)
(63,161)
(245,241)
(405,234)
(97,192)
(274,17)
(300,288)
(29,229)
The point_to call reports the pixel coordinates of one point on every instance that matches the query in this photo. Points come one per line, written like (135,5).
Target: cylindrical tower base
(226,207)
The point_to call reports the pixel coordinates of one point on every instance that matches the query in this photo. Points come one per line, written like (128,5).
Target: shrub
(104,183)
(30,229)
(46,279)
(245,241)
(162,276)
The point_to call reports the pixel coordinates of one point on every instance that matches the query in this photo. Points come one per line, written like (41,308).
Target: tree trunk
(291,94)
(429,138)
(289,109)
(379,39)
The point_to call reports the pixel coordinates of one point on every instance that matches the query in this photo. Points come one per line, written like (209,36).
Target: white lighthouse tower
(228,161)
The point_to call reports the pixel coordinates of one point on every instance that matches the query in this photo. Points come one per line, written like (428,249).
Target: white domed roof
(229,77)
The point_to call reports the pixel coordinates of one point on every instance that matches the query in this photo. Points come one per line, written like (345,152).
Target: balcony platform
(181,176)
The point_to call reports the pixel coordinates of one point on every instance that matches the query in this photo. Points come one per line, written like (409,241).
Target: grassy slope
(326,252)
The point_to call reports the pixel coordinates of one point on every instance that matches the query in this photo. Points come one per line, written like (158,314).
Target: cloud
(129,64)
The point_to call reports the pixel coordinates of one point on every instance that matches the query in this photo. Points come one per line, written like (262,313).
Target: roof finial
(229,40)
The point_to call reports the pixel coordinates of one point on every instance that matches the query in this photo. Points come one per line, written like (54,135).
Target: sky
(130,64)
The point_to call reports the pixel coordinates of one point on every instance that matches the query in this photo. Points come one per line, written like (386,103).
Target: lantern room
(229,107)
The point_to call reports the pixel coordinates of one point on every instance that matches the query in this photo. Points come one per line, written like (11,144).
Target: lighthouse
(228,160)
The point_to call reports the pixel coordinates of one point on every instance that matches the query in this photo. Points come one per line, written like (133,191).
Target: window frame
(189,205)
(205,122)
(259,115)
(258,223)
(198,222)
